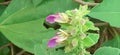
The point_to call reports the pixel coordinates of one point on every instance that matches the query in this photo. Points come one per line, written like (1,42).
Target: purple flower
(51,18)
(60,18)
(55,40)
(52,42)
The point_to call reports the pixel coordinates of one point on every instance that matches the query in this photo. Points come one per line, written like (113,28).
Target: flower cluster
(74,29)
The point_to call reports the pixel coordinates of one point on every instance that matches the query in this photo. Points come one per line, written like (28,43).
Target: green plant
(24,22)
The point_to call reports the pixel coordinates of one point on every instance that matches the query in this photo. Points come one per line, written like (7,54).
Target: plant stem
(5,3)
(4,46)
(86,3)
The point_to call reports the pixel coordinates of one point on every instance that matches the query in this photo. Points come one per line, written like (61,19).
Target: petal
(52,43)
(61,39)
(63,18)
(51,19)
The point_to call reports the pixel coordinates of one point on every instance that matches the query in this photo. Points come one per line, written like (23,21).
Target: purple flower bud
(51,18)
(60,18)
(55,40)
(63,18)
(58,38)
(52,42)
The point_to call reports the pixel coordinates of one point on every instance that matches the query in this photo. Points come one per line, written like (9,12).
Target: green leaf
(90,40)
(107,11)
(2,8)
(89,26)
(37,2)
(18,12)
(26,35)
(3,40)
(42,49)
(115,42)
(4,51)
(58,52)
(22,21)
(2,0)
(47,7)
(107,51)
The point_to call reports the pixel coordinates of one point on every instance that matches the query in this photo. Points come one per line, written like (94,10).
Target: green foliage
(107,51)
(3,41)
(22,21)
(115,42)
(44,50)
(107,11)
(90,40)
(37,2)
(2,8)
(47,7)
(4,51)
(2,0)
(17,11)
(27,34)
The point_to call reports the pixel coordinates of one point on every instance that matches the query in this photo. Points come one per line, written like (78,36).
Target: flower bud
(52,42)
(58,38)
(60,18)
(63,18)
(51,18)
